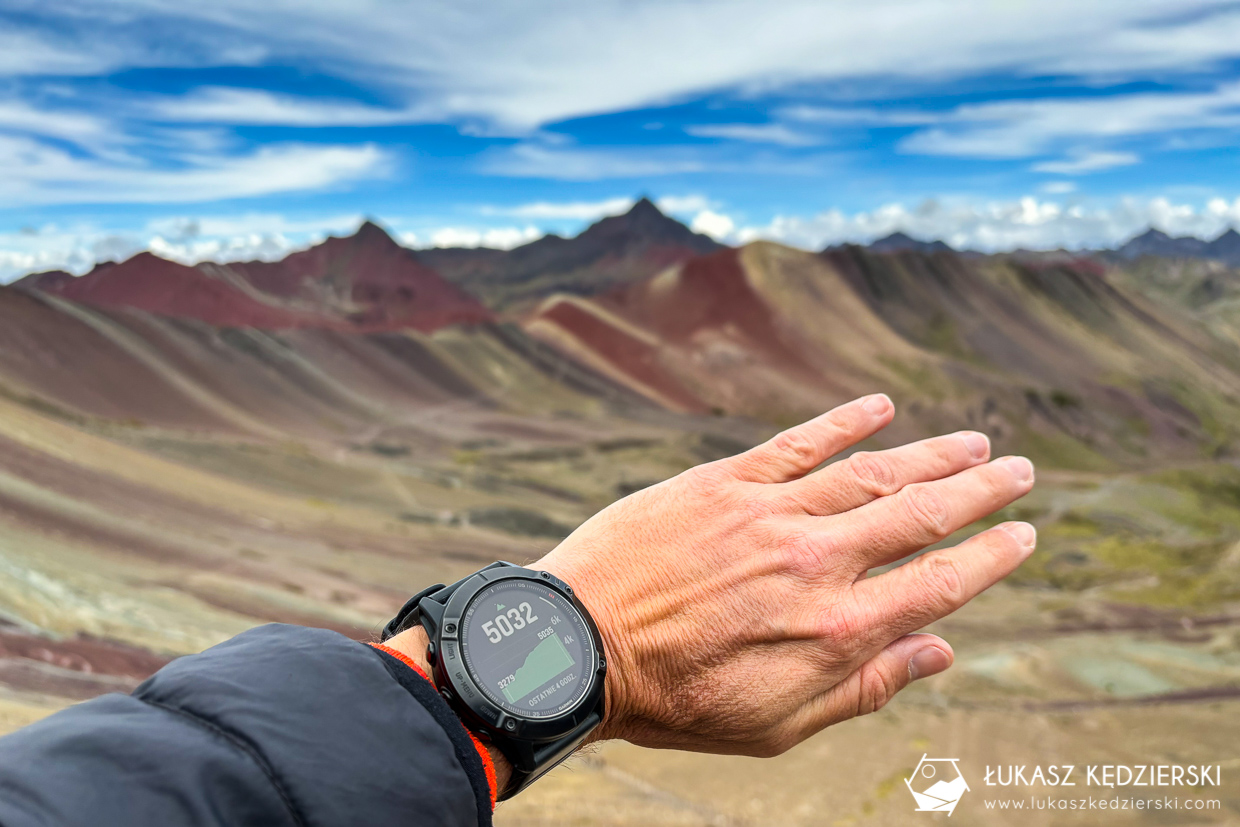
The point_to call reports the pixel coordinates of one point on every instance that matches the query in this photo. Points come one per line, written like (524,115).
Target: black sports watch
(518,658)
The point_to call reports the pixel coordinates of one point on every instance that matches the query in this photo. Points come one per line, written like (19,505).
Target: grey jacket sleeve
(281,725)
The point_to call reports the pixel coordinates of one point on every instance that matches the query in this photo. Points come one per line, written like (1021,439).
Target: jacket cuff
(472,753)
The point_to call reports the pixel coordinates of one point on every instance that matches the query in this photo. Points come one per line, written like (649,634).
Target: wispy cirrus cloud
(761,133)
(578,210)
(224,105)
(470,59)
(1082,162)
(567,162)
(34,173)
(1029,127)
(532,160)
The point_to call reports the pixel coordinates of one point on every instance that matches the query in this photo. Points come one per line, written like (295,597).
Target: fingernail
(1022,533)
(877,404)
(929,661)
(1020,467)
(978,444)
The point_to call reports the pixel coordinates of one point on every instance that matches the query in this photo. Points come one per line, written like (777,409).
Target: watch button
(446,694)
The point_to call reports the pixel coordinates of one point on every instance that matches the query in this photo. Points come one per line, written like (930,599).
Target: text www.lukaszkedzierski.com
(1093,803)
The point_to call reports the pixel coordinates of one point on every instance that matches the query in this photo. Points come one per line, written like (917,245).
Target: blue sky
(231,131)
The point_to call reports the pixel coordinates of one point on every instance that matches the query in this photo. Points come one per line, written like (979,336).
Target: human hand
(733,599)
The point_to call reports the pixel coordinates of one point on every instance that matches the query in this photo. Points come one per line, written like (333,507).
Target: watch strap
(410,614)
(532,761)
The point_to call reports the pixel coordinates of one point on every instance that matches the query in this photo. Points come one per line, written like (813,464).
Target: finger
(926,512)
(865,476)
(938,582)
(873,684)
(797,451)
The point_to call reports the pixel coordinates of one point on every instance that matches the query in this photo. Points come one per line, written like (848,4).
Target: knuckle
(797,447)
(799,552)
(758,508)
(708,477)
(839,630)
(928,510)
(874,472)
(944,581)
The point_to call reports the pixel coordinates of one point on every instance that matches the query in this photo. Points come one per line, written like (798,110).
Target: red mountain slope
(367,279)
(365,283)
(148,282)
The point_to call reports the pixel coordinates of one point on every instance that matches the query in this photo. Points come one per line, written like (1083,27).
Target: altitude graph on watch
(518,658)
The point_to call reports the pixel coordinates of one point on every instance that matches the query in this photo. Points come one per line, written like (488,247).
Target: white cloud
(243,224)
(469,59)
(765,133)
(1058,187)
(681,204)
(35,173)
(832,115)
(1021,128)
(1002,225)
(713,224)
(990,226)
(254,106)
(19,116)
(528,160)
(572,163)
(591,211)
(188,239)
(503,238)
(1087,162)
(31,53)
(581,210)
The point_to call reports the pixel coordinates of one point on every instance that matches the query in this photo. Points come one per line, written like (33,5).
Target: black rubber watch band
(410,615)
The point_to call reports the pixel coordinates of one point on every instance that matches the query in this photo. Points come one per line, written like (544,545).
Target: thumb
(875,682)
(869,687)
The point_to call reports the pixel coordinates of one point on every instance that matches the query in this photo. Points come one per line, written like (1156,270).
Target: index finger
(797,451)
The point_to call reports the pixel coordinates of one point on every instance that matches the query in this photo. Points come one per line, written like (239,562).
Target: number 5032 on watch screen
(526,647)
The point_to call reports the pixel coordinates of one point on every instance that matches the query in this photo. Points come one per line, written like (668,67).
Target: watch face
(527,648)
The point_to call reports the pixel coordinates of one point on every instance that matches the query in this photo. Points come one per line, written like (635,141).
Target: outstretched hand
(734,600)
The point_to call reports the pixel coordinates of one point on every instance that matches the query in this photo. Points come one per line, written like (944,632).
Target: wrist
(412,644)
(593,596)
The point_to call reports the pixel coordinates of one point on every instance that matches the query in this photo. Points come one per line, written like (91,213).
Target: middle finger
(865,476)
(924,513)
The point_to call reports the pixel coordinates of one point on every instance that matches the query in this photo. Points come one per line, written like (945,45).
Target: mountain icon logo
(937,785)
(499,607)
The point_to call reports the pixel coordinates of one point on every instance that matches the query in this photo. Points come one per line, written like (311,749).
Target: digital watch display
(518,658)
(527,648)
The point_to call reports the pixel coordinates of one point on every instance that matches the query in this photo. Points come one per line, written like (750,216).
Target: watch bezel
(453,674)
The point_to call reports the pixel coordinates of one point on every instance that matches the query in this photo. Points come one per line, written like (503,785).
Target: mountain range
(1069,357)
(1225,248)
(187,451)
